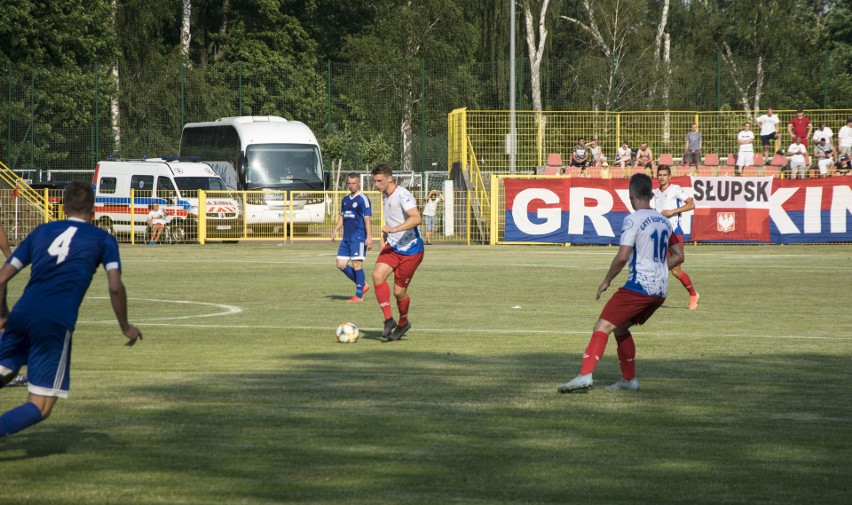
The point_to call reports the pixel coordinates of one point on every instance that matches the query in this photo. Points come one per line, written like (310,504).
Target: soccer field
(239,394)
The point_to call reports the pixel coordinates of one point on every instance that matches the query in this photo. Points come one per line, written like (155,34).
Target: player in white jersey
(402,253)
(671,200)
(648,246)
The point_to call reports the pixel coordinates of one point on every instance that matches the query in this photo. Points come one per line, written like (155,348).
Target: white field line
(502,331)
(226,310)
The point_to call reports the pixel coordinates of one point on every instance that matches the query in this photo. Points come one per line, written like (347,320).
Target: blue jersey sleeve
(366,207)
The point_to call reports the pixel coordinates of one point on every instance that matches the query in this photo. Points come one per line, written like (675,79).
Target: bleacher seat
(772,170)
(666,159)
(616,172)
(778,160)
(711,160)
(555,160)
(593,172)
(682,171)
(552,170)
(758,160)
(705,170)
(749,171)
(731,160)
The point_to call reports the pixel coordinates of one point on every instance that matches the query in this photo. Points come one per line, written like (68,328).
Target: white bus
(263,153)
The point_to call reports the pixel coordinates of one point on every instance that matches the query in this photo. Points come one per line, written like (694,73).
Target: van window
(165,188)
(107,185)
(142,186)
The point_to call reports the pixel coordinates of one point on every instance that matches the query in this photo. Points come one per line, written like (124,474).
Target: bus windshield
(282,165)
(195,183)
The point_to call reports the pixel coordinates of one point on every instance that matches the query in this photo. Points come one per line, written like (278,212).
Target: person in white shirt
(430,213)
(768,131)
(157,222)
(844,139)
(671,200)
(624,155)
(823,132)
(797,152)
(824,157)
(745,156)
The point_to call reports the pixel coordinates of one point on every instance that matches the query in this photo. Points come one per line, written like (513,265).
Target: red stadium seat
(616,172)
(749,171)
(731,160)
(572,171)
(554,160)
(549,170)
(779,160)
(772,171)
(683,170)
(711,160)
(593,172)
(758,160)
(705,171)
(666,159)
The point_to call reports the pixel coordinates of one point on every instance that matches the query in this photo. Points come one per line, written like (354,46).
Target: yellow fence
(235,216)
(484,134)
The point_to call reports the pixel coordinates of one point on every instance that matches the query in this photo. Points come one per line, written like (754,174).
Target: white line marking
(227,310)
(497,331)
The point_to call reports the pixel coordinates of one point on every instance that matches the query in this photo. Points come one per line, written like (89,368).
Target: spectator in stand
(745,154)
(596,153)
(823,132)
(843,166)
(692,156)
(430,213)
(645,159)
(797,152)
(157,222)
(768,131)
(580,155)
(624,155)
(800,126)
(844,139)
(824,157)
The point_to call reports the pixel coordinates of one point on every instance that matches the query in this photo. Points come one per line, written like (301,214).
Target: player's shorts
(678,236)
(352,250)
(764,139)
(626,305)
(745,159)
(44,346)
(690,158)
(403,265)
(429,222)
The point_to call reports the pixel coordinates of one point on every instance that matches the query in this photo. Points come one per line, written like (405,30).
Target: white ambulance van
(173,183)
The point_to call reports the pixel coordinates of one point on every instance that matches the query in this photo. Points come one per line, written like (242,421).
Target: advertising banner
(591,211)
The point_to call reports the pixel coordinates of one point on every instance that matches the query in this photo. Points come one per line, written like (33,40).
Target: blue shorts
(429,222)
(44,346)
(352,250)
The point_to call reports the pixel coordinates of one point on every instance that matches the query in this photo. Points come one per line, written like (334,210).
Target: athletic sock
(594,352)
(627,355)
(383,297)
(20,417)
(349,272)
(359,283)
(687,282)
(402,305)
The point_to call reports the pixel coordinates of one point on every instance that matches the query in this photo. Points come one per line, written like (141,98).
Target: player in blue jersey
(402,253)
(37,333)
(354,218)
(649,247)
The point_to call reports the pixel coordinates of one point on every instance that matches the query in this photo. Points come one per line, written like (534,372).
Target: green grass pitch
(239,393)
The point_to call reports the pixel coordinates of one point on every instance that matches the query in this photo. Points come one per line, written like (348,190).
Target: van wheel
(105,224)
(178,231)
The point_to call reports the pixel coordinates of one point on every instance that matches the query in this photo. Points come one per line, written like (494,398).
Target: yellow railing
(556,132)
(38,200)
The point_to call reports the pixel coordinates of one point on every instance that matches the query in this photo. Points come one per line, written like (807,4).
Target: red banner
(728,208)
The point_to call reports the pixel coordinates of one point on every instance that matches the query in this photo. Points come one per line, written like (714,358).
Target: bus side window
(166,190)
(142,186)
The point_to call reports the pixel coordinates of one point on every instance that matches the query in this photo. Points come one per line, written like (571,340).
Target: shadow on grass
(404,426)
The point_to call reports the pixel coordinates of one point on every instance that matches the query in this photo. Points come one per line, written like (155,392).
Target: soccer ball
(347,333)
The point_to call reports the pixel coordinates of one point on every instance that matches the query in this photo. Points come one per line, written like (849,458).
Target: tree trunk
(115,111)
(185,35)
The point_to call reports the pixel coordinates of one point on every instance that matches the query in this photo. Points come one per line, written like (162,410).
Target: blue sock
(359,283)
(20,417)
(349,272)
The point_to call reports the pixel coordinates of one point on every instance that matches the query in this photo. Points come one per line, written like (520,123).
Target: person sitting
(645,159)
(624,155)
(157,222)
(598,158)
(843,166)
(580,156)
(797,152)
(824,157)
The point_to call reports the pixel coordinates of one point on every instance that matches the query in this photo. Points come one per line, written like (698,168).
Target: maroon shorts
(403,266)
(626,305)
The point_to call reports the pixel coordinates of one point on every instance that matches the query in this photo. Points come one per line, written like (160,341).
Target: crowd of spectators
(824,159)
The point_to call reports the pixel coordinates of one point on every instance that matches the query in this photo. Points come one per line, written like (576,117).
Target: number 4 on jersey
(62,244)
